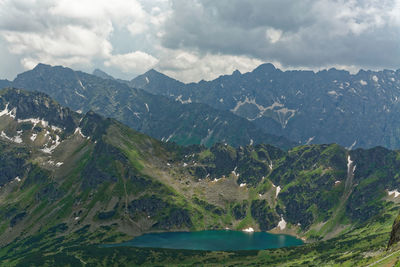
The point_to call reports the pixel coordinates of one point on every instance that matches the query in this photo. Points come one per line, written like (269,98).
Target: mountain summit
(102,74)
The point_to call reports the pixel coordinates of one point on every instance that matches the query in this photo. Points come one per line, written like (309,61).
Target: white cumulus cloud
(198,39)
(74,33)
(135,62)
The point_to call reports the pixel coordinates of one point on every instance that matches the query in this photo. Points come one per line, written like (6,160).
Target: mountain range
(154,115)
(71,181)
(329,106)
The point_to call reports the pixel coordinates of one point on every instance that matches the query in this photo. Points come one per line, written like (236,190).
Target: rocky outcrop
(395,234)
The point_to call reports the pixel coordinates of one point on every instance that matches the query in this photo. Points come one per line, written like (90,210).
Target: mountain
(5,83)
(158,84)
(154,115)
(358,110)
(71,181)
(101,74)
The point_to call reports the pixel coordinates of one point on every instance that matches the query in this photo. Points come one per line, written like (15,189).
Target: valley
(199,133)
(81,180)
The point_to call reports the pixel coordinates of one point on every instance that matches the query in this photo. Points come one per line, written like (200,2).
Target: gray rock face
(155,115)
(306,107)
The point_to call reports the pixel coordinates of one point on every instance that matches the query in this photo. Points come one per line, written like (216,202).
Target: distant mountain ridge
(354,110)
(155,115)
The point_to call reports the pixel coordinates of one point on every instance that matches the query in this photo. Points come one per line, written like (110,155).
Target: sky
(192,40)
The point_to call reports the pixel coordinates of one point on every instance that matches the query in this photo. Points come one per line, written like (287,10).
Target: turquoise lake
(213,240)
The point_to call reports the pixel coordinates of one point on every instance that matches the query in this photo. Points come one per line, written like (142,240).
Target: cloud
(135,62)
(199,39)
(295,33)
(273,35)
(74,33)
(192,66)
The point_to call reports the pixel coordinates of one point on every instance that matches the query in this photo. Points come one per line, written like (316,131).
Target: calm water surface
(213,240)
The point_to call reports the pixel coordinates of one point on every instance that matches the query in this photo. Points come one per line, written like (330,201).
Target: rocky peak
(102,74)
(37,106)
(265,68)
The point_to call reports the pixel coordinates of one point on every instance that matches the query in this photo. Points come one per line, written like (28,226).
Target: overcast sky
(198,39)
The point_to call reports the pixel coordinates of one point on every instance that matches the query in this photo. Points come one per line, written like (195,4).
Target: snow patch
(349,162)
(352,145)
(350,168)
(310,140)
(55,128)
(363,83)
(18,139)
(58,164)
(147,79)
(79,131)
(283,114)
(50,149)
(337,182)
(179,98)
(80,83)
(375,78)
(251,142)
(395,192)
(278,189)
(221,100)
(270,165)
(15,139)
(36,121)
(12,113)
(147,107)
(248,230)
(17,179)
(242,185)
(282,224)
(77,93)
(169,137)
(333,93)
(33,137)
(234,171)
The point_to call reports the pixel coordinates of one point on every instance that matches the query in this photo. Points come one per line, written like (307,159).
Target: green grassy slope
(71,181)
